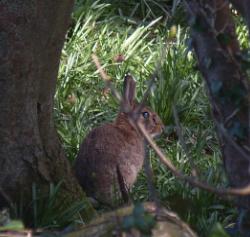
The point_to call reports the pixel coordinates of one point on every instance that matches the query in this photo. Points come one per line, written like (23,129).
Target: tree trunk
(32,33)
(218,54)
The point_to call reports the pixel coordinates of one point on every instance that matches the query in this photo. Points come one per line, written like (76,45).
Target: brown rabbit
(112,155)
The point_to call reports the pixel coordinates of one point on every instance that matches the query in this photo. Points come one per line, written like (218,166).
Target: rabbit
(112,155)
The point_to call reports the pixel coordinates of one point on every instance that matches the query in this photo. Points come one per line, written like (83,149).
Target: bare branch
(230,140)
(146,94)
(105,77)
(182,142)
(149,174)
(166,161)
(151,81)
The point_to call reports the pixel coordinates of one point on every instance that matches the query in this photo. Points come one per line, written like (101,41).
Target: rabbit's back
(104,150)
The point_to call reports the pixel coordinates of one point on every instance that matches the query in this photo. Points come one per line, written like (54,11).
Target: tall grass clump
(136,37)
(81,100)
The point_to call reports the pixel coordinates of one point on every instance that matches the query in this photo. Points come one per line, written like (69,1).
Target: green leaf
(13,225)
(218,231)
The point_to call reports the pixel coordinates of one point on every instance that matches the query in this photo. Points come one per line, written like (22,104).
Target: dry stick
(166,161)
(153,195)
(149,175)
(150,84)
(107,80)
(147,92)
(230,140)
(151,80)
(182,142)
(148,170)
(105,77)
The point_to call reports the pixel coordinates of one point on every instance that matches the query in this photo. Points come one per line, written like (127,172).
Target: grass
(141,33)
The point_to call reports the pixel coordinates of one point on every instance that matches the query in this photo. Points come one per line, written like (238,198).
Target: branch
(151,80)
(163,158)
(166,161)
(105,77)
(182,142)
(229,139)
(149,175)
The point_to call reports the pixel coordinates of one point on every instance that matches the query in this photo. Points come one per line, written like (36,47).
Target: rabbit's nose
(155,118)
(161,127)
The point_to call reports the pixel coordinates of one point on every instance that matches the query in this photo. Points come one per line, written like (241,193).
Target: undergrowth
(144,36)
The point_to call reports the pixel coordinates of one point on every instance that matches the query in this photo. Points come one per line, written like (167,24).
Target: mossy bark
(219,59)
(167,223)
(32,33)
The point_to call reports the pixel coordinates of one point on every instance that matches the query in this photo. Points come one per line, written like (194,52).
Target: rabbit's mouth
(157,131)
(155,135)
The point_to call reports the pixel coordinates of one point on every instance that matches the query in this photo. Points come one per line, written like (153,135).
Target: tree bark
(220,62)
(217,51)
(32,33)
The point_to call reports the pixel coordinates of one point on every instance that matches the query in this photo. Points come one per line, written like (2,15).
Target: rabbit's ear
(129,90)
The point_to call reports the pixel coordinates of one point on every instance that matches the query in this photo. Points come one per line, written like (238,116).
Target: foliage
(139,220)
(136,32)
(48,213)
(7,224)
(218,231)
(13,225)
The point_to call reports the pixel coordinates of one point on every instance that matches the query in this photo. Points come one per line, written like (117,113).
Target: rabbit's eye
(145,115)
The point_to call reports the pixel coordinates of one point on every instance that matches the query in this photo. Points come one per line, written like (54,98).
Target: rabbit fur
(112,155)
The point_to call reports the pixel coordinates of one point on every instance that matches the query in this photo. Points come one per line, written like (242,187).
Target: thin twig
(151,80)
(149,174)
(105,77)
(182,142)
(230,140)
(166,161)
(146,93)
